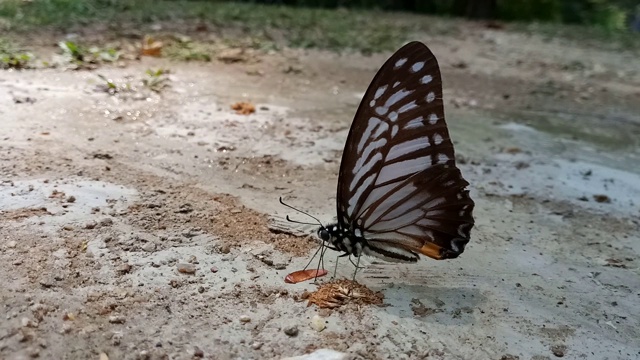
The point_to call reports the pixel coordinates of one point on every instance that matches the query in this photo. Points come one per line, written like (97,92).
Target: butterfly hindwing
(399,187)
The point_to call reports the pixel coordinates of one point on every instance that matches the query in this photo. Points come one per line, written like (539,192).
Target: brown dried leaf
(151,47)
(243,108)
(342,292)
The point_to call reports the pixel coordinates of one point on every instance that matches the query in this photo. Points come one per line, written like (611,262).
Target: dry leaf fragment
(243,108)
(151,47)
(341,292)
(304,275)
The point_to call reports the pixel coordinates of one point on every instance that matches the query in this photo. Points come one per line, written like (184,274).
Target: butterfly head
(332,234)
(327,234)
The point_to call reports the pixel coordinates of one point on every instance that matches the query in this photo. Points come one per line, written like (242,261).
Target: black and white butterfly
(400,193)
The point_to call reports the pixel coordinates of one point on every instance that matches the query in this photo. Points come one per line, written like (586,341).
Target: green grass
(12,57)
(79,55)
(366,31)
(594,36)
(266,26)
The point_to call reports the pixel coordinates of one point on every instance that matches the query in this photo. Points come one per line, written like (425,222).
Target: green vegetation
(107,85)
(80,56)
(156,80)
(185,49)
(322,28)
(609,14)
(313,24)
(11,57)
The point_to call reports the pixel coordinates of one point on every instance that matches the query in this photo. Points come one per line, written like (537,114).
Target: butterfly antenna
(302,212)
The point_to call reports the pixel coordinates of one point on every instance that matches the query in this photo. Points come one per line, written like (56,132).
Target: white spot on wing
(400,62)
(426,79)
(442,158)
(461,231)
(415,123)
(433,119)
(355,199)
(372,103)
(397,96)
(454,246)
(437,139)
(403,168)
(396,83)
(381,110)
(381,129)
(380,91)
(430,97)
(393,116)
(407,147)
(407,107)
(373,123)
(417,66)
(394,130)
(371,147)
(364,169)
(398,195)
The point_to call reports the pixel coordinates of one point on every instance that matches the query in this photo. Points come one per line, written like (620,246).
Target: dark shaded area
(614,14)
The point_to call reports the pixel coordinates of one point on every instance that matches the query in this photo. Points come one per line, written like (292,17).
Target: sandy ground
(103,198)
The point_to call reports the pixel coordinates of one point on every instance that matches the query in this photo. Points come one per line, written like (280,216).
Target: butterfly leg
(323,249)
(313,257)
(356,269)
(335,269)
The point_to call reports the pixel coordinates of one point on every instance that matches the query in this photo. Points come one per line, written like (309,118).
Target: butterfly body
(341,239)
(400,194)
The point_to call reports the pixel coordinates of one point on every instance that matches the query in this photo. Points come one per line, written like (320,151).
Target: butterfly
(400,194)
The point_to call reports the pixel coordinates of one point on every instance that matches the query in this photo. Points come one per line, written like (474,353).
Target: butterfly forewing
(399,187)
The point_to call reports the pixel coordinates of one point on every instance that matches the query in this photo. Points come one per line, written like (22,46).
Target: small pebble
(123,269)
(12,244)
(26,322)
(185,268)
(71,199)
(225,249)
(197,352)
(106,222)
(317,323)
(214,269)
(256,345)
(116,319)
(149,247)
(245,318)
(67,327)
(34,352)
(558,350)
(90,225)
(291,330)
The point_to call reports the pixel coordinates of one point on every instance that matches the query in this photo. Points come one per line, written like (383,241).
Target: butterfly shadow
(447,300)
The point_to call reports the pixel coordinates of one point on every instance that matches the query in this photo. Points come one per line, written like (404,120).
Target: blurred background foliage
(363,25)
(609,14)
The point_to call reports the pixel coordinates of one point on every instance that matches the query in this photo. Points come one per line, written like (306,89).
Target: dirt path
(104,198)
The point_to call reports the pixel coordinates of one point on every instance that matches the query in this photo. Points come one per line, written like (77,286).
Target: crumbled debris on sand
(343,292)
